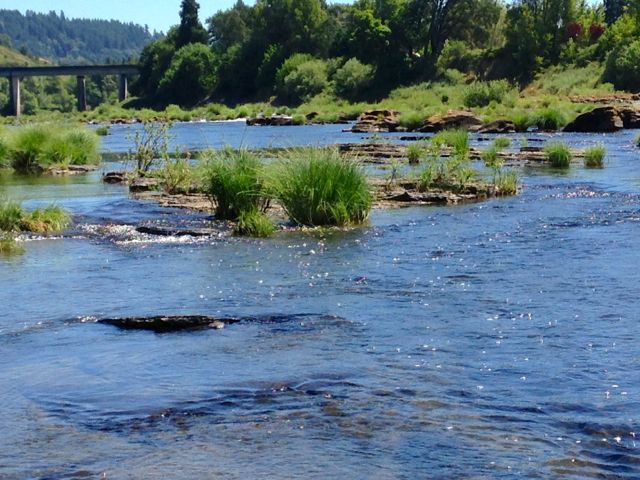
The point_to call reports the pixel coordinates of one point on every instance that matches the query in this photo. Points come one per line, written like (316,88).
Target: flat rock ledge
(70,170)
(167,324)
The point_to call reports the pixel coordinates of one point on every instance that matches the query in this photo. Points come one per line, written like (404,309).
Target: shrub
(352,79)
(594,156)
(254,224)
(481,94)
(319,187)
(549,119)
(235,182)
(303,80)
(151,143)
(622,67)
(176,175)
(558,154)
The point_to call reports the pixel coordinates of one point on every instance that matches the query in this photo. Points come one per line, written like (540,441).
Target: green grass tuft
(235,181)
(415,151)
(11,214)
(254,224)
(46,220)
(318,187)
(501,143)
(594,156)
(549,119)
(558,154)
(506,182)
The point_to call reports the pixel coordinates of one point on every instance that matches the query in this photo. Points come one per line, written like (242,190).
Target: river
(486,340)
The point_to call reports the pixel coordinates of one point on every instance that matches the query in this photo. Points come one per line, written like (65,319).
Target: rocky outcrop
(143,184)
(272,121)
(499,126)
(165,324)
(601,119)
(377,121)
(609,99)
(373,151)
(70,170)
(115,177)
(630,117)
(450,120)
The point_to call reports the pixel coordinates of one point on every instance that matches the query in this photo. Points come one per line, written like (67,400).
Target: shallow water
(488,340)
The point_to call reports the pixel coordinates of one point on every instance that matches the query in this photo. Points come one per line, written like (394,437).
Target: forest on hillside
(71,40)
(296,49)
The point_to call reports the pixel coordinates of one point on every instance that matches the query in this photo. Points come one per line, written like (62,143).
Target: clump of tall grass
(46,220)
(415,151)
(235,181)
(501,143)
(102,131)
(412,121)
(506,182)
(11,214)
(34,148)
(253,223)
(4,150)
(451,173)
(549,119)
(491,158)
(319,187)
(42,220)
(521,121)
(458,140)
(558,154)
(594,156)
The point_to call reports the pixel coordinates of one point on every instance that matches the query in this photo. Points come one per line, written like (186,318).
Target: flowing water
(487,340)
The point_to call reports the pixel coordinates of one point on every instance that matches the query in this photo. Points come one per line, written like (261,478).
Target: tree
(191,76)
(190,29)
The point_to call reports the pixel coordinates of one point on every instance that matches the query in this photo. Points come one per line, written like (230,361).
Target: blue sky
(158,14)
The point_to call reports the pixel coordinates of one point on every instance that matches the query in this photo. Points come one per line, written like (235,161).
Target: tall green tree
(190,29)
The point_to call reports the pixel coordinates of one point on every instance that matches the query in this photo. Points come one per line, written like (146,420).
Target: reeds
(594,156)
(558,154)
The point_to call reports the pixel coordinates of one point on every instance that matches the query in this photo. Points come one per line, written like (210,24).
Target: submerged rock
(451,119)
(272,121)
(164,324)
(176,232)
(602,119)
(115,177)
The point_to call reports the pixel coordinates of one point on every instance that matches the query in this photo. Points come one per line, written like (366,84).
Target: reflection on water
(488,340)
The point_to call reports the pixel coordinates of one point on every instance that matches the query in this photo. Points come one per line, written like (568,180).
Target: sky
(157,14)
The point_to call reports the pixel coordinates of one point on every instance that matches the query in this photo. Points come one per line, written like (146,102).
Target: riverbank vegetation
(14,219)
(525,62)
(39,147)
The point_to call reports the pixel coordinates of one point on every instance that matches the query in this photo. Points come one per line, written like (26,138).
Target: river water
(487,340)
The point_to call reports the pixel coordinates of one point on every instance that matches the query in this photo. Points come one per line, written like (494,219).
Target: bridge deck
(72,70)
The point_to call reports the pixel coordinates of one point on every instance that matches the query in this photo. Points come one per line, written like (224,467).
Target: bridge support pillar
(123,87)
(82,93)
(16,106)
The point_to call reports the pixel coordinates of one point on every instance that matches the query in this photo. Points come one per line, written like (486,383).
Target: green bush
(549,119)
(306,81)
(594,156)
(319,187)
(352,79)
(622,67)
(481,94)
(235,182)
(558,155)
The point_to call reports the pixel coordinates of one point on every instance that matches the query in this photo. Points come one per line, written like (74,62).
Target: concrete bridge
(15,74)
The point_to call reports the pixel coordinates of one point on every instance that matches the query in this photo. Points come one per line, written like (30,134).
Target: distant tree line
(64,40)
(294,49)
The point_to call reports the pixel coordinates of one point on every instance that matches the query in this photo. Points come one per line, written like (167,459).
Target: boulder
(115,177)
(630,117)
(143,184)
(499,126)
(451,119)
(377,121)
(601,119)
(272,121)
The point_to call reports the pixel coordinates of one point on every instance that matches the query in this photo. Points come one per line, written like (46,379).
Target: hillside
(63,40)
(12,58)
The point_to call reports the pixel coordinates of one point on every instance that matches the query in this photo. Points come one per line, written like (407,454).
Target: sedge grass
(594,156)
(318,187)
(46,220)
(558,155)
(253,223)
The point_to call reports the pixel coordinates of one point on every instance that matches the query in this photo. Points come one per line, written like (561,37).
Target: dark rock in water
(451,119)
(377,121)
(272,121)
(165,324)
(176,232)
(630,117)
(412,138)
(528,149)
(143,185)
(602,119)
(115,177)
(499,126)
(427,197)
